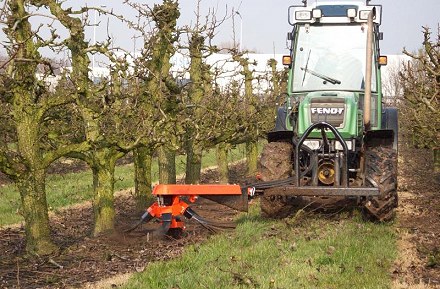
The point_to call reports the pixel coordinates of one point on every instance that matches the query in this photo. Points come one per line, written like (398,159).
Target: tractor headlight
(363,14)
(303,15)
(338,145)
(351,13)
(317,13)
(312,144)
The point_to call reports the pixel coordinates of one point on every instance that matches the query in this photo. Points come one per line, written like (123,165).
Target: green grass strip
(270,254)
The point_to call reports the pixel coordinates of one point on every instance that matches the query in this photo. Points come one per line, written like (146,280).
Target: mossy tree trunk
(31,182)
(193,162)
(26,163)
(31,186)
(222,150)
(160,85)
(96,114)
(167,165)
(102,160)
(250,101)
(142,177)
(103,186)
(194,148)
(436,152)
(275,79)
(27,114)
(252,156)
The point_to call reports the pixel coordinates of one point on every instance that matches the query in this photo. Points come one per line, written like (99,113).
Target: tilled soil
(418,265)
(84,259)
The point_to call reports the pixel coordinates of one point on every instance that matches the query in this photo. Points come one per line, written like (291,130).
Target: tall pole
(134,46)
(368,72)
(241,31)
(94,43)
(94,39)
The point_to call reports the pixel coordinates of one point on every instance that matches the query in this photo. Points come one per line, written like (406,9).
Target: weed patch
(319,253)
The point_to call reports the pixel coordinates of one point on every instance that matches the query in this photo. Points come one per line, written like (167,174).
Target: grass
(315,253)
(69,189)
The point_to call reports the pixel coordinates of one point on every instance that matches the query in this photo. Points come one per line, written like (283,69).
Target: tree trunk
(103,205)
(199,88)
(252,157)
(436,160)
(167,165)
(193,163)
(222,162)
(34,207)
(142,178)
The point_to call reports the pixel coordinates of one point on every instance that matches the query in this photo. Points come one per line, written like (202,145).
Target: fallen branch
(120,257)
(55,263)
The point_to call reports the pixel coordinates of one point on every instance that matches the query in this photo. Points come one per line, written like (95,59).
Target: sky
(265,24)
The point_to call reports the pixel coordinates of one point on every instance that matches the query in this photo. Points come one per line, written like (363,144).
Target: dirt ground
(84,260)
(418,222)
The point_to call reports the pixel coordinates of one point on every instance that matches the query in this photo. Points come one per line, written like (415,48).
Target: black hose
(146,217)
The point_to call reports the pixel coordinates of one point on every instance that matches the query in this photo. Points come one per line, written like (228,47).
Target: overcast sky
(265,22)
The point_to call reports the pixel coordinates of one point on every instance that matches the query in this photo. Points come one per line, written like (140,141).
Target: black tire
(275,164)
(175,233)
(381,172)
(276,161)
(275,206)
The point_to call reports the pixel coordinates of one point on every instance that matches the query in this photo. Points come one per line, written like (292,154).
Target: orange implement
(169,207)
(199,190)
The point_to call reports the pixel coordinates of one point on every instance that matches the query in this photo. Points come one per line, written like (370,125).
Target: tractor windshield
(331,58)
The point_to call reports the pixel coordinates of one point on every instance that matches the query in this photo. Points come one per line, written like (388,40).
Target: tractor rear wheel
(275,164)
(276,161)
(381,172)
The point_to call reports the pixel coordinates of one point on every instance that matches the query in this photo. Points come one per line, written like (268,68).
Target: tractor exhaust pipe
(368,72)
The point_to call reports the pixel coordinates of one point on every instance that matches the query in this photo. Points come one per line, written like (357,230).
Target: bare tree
(161,86)
(200,36)
(113,120)
(26,102)
(421,90)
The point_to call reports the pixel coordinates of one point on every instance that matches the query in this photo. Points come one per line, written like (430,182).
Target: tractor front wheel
(275,164)
(381,172)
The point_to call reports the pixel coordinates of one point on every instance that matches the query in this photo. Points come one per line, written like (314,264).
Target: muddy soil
(84,259)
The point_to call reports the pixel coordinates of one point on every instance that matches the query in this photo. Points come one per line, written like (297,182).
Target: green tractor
(334,143)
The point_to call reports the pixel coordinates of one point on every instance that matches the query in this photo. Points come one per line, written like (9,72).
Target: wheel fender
(390,121)
(280,131)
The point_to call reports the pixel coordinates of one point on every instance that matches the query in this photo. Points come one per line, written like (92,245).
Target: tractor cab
(328,66)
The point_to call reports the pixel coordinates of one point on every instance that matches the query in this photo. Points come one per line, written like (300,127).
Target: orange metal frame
(185,190)
(178,206)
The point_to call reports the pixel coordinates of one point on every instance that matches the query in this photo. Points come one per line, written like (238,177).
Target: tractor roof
(334,12)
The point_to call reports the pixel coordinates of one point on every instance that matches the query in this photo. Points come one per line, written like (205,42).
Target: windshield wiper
(324,77)
(307,65)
